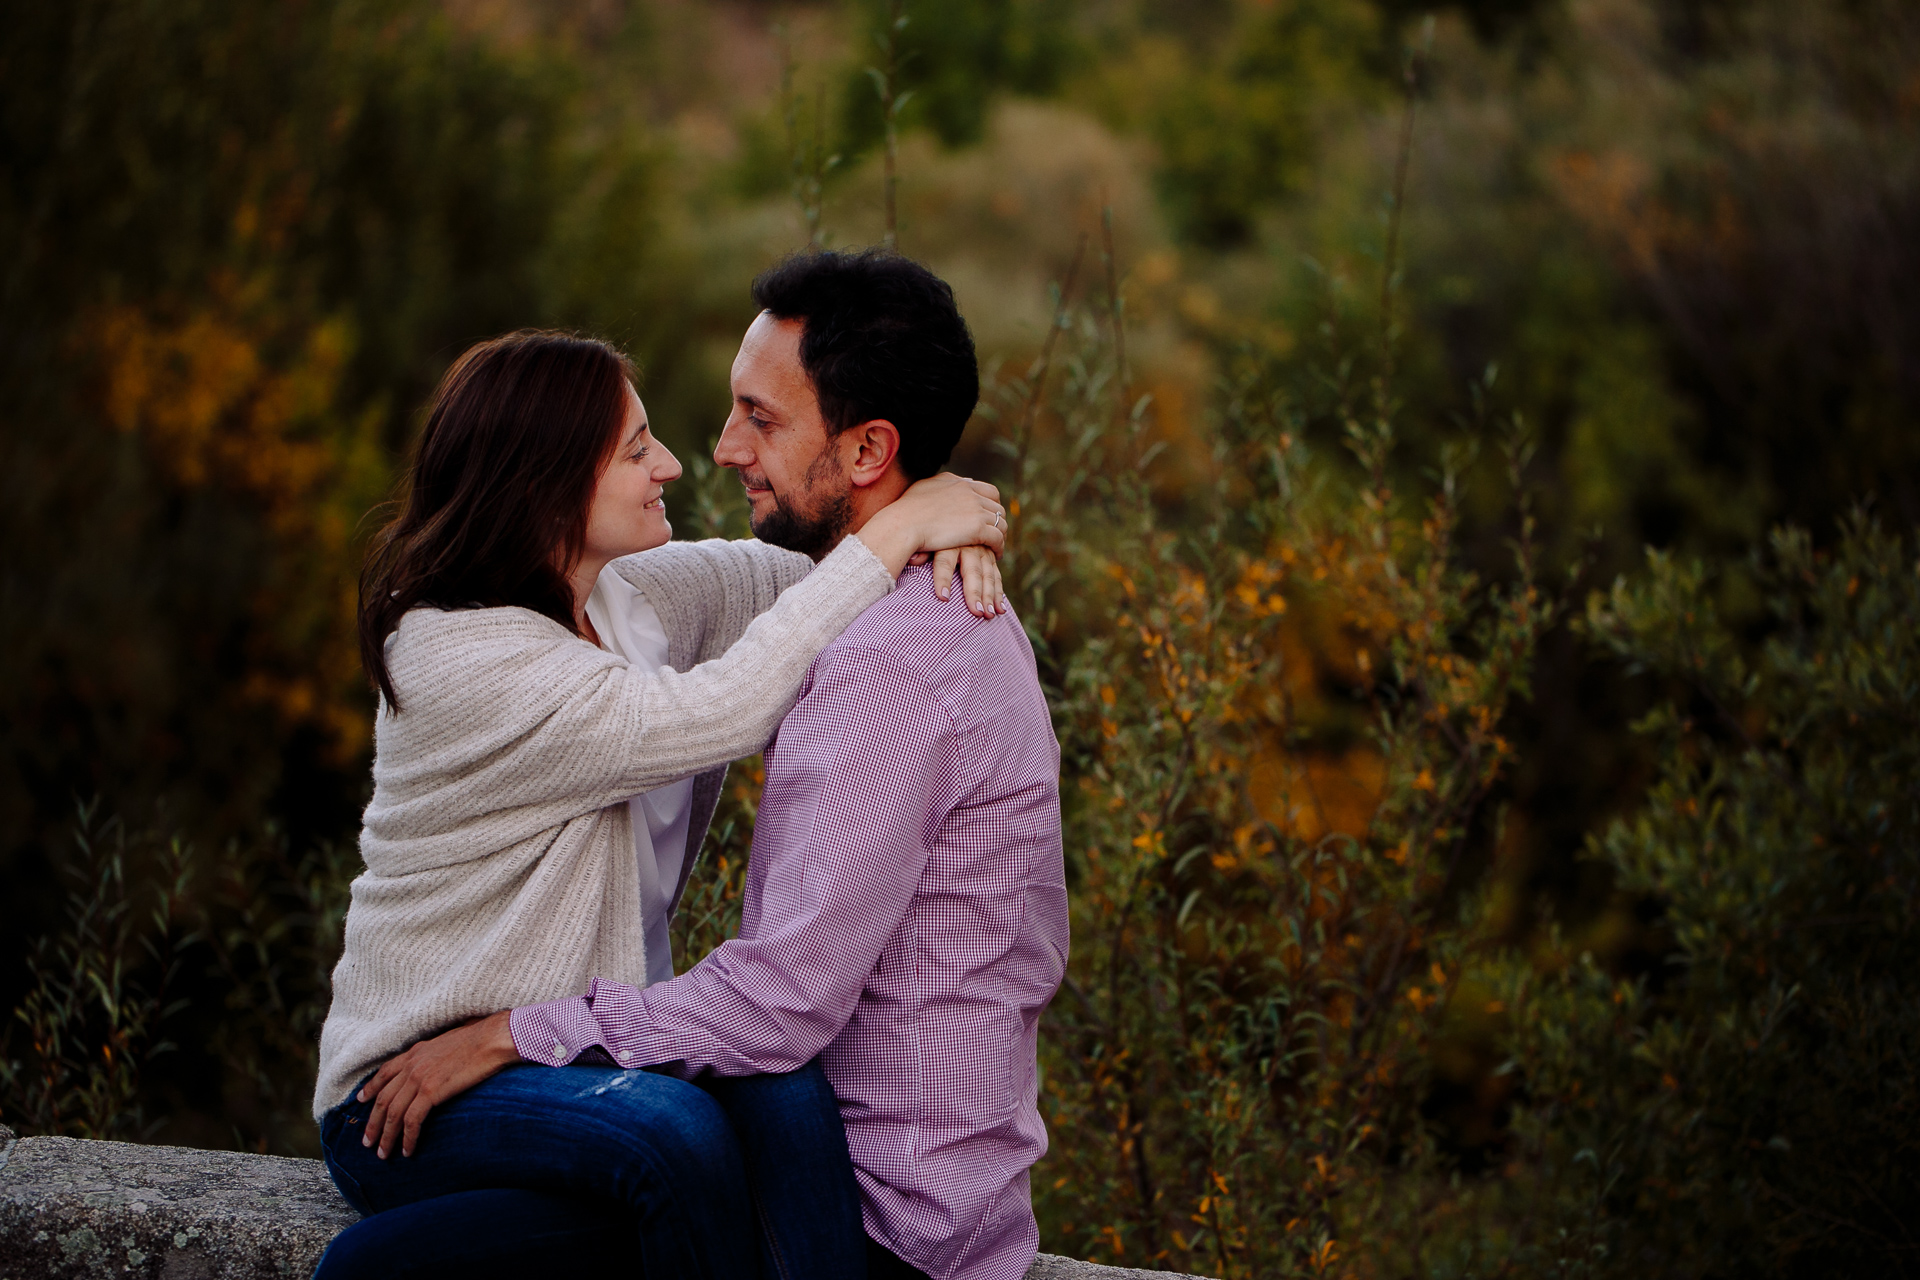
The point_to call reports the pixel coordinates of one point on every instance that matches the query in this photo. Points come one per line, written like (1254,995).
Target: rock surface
(72,1208)
(95,1209)
(1049,1266)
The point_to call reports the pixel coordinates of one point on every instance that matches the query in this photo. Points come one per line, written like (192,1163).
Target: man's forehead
(770,335)
(768,366)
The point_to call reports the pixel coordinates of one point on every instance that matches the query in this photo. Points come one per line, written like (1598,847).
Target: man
(905,915)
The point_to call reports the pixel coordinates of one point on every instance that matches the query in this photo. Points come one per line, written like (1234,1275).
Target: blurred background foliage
(1458,890)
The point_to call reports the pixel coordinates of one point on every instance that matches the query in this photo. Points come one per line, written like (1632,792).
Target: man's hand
(409,1085)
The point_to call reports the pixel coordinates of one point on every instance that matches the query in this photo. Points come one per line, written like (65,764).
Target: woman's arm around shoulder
(712,588)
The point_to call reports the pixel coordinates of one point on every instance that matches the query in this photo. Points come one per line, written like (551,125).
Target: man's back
(920,764)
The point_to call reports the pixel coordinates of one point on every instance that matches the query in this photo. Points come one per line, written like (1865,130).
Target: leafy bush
(1241,1072)
(1236,1068)
(1753,1106)
(953,57)
(250,240)
(100,989)
(160,949)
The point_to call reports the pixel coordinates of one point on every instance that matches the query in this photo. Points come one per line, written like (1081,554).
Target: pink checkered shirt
(905,917)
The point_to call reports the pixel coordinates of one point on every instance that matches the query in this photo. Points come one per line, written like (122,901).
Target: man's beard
(812,533)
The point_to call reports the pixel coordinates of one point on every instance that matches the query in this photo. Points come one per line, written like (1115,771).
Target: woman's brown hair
(502,479)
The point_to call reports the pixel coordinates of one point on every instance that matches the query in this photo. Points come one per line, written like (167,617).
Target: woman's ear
(875,445)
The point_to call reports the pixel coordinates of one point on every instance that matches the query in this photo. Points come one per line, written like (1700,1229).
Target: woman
(508,860)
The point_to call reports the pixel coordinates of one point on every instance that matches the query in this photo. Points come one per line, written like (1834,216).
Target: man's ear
(869,450)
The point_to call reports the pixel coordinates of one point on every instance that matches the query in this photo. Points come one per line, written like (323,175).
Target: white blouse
(629,627)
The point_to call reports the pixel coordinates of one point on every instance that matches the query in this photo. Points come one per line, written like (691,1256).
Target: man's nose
(730,450)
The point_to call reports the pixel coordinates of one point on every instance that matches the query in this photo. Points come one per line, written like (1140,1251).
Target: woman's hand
(940,513)
(409,1085)
(979,578)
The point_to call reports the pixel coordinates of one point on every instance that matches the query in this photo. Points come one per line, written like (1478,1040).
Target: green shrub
(182,996)
(1235,1070)
(1753,1106)
(92,1018)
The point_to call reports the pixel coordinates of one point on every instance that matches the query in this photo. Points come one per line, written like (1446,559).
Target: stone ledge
(73,1208)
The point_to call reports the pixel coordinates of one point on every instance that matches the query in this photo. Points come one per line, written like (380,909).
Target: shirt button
(626,1055)
(559,1052)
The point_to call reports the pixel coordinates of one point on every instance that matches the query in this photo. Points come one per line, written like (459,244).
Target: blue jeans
(635,1172)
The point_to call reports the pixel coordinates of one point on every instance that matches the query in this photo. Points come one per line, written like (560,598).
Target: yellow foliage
(220,403)
(213,408)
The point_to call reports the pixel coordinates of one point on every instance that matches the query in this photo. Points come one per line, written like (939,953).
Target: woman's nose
(668,467)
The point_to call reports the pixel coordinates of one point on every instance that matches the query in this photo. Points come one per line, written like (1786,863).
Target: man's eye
(759,423)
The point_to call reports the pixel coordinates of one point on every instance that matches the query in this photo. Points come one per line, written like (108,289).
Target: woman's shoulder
(433,646)
(429,625)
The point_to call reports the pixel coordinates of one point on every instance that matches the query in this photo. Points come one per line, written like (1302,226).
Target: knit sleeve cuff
(855,560)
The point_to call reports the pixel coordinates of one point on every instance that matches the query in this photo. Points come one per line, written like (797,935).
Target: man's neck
(869,500)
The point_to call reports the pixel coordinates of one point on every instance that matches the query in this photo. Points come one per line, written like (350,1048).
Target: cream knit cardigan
(498,845)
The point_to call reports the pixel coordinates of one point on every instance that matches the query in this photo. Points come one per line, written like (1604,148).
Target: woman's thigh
(655,1149)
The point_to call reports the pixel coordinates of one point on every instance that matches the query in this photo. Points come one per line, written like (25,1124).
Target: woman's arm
(723,709)
(505,715)
(705,593)
(522,722)
(708,591)
(932,516)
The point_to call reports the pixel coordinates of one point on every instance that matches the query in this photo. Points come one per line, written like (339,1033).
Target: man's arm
(865,769)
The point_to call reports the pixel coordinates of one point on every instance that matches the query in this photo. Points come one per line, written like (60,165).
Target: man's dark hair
(882,338)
